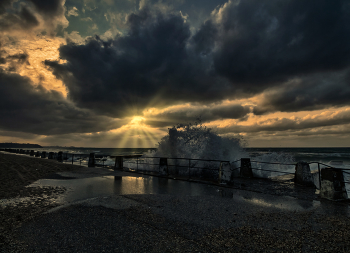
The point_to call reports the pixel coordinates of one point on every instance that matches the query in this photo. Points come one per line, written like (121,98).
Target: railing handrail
(289,164)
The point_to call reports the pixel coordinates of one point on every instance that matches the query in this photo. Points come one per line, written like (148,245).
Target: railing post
(225,174)
(319,175)
(137,164)
(163,166)
(118,165)
(302,174)
(333,186)
(31,153)
(246,168)
(51,154)
(60,156)
(91,162)
(43,154)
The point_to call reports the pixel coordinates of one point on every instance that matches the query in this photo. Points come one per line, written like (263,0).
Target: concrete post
(246,168)
(43,154)
(37,154)
(332,184)
(51,155)
(32,153)
(224,172)
(91,162)
(60,156)
(21,151)
(303,175)
(118,163)
(163,167)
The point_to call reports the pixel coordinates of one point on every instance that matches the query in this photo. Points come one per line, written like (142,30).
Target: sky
(119,73)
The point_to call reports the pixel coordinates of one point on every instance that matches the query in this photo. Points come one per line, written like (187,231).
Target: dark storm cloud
(204,39)
(244,48)
(192,114)
(150,64)
(4,4)
(265,42)
(18,20)
(310,93)
(25,108)
(261,42)
(49,8)
(23,14)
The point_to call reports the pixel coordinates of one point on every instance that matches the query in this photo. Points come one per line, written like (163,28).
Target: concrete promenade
(245,219)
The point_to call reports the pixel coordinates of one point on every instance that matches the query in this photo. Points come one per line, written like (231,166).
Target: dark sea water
(98,151)
(324,155)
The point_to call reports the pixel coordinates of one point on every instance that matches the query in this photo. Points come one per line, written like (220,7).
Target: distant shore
(19,145)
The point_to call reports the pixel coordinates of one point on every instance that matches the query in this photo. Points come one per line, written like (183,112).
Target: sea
(340,155)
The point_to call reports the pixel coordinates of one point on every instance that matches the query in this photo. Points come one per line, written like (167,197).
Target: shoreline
(156,222)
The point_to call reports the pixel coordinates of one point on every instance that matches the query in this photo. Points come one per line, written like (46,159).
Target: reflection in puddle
(81,189)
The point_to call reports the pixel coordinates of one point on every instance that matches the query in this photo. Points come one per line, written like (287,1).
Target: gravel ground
(163,223)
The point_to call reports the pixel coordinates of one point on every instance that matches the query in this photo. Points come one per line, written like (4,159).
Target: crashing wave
(196,141)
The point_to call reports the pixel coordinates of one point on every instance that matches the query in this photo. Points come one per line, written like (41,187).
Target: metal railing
(208,169)
(186,168)
(327,166)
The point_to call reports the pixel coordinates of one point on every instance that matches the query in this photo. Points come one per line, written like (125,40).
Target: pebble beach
(158,222)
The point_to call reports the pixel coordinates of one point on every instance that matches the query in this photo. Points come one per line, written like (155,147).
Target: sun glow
(137,134)
(137,121)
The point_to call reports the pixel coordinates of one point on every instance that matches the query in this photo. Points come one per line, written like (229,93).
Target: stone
(118,165)
(246,168)
(163,166)
(303,175)
(60,156)
(91,162)
(332,184)
(51,155)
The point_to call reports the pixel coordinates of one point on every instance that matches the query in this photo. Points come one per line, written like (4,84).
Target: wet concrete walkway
(90,183)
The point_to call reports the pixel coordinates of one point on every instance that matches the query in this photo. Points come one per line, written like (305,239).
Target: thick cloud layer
(24,16)
(49,8)
(192,113)
(310,93)
(25,108)
(260,43)
(244,48)
(279,56)
(22,19)
(149,66)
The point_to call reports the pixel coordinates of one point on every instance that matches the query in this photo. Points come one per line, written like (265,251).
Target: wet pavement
(80,187)
(99,209)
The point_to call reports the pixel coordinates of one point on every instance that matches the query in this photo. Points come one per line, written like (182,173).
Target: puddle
(87,188)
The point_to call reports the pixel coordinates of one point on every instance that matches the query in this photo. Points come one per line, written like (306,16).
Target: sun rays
(137,134)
